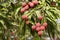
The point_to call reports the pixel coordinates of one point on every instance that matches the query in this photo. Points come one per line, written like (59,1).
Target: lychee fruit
(26,7)
(37,29)
(27,22)
(35,2)
(45,24)
(22,10)
(33,27)
(31,4)
(40,17)
(24,4)
(38,24)
(40,33)
(42,28)
(24,17)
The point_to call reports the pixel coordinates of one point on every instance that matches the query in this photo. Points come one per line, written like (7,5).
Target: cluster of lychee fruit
(38,27)
(25,18)
(26,6)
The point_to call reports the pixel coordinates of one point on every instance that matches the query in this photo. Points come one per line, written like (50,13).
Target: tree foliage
(10,19)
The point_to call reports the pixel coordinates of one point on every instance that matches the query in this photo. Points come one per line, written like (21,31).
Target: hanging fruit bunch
(26,6)
(25,18)
(38,27)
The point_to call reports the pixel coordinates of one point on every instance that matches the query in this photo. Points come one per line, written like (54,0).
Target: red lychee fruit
(40,33)
(27,22)
(26,7)
(33,27)
(40,17)
(22,10)
(31,4)
(24,4)
(38,24)
(24,17)
(42,28)
(45,24)
(35,2)
(38,29)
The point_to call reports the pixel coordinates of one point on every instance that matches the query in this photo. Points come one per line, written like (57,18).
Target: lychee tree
(23,18)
